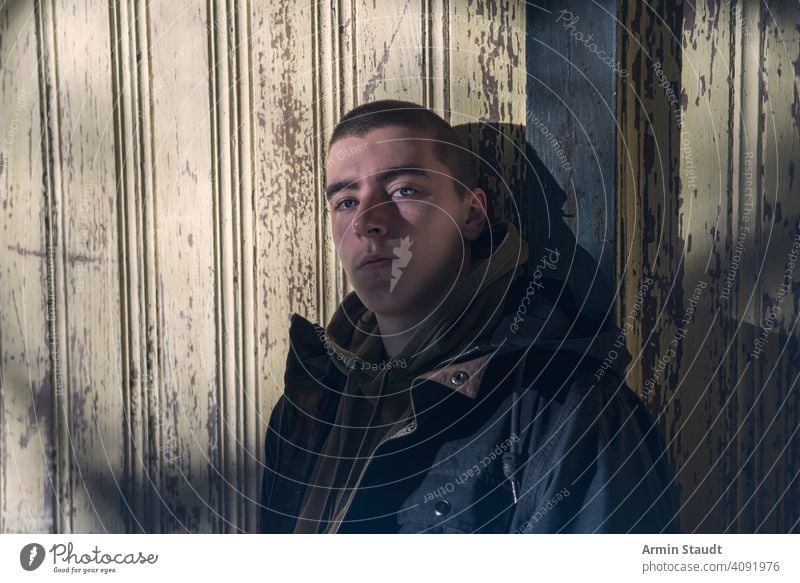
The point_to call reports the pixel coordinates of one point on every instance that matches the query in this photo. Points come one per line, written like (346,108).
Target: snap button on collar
(459,377)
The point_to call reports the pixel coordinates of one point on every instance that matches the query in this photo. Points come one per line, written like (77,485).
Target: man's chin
(397,305)
(382,302)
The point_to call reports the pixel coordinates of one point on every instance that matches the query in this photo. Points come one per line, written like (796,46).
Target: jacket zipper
(408,429)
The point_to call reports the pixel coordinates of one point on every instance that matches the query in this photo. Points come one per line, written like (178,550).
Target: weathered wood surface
(161,181)
(163,216)
(27,438)
(707,158)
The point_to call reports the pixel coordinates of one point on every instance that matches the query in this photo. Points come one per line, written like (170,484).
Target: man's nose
(373,219)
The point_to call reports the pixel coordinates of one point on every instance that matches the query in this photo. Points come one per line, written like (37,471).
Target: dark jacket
(529,428)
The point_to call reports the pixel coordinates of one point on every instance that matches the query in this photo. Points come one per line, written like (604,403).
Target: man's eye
(339,204)
(404,191)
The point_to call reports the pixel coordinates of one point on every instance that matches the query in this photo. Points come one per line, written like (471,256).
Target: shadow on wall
(537,210)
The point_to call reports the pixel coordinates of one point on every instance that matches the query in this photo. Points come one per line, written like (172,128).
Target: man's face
(399,226)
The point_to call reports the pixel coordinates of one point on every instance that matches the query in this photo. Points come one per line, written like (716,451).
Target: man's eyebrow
(384,176)
(394,171)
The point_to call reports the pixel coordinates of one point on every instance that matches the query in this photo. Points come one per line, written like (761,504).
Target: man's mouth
(375,264)
(374,261)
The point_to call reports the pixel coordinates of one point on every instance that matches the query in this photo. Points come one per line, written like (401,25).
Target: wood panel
(185,444)
(708,212)
(27,393)
(294,266)
(775,497)
(83,214)
(180,222)
(233,252)
(701,389)
(175,158)
(134,202)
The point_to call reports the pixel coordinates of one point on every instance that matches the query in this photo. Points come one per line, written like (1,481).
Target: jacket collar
(471,310)
(309,368)
(543,318)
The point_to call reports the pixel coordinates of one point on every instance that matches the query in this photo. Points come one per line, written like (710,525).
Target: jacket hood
(550,310)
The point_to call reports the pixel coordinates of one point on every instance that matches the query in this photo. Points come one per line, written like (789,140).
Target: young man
(456,388)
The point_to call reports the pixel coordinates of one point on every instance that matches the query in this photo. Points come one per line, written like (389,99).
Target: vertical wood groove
(231,420)
(218,184)
(331,63)
(736,132)
(355,95)
(56,302)
(215,453)
(427,53)
(133,137)
(129,429)
(447,105)
(253,451)
(317,137)
(233,195)
(246,485)
(147,192)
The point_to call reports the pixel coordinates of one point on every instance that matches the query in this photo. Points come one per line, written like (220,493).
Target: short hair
(448,146)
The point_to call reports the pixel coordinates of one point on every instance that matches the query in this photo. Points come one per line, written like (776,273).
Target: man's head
(402,185)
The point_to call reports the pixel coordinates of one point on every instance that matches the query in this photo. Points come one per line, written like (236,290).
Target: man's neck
(395,333)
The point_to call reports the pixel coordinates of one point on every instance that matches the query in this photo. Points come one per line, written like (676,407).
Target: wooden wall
(709,214)
(162,217)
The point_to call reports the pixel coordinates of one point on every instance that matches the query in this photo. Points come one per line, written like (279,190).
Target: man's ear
(477,213)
